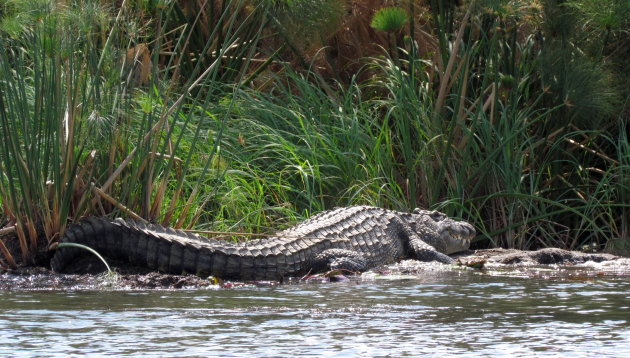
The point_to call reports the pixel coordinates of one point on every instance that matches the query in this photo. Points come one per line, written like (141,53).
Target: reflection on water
(438,315)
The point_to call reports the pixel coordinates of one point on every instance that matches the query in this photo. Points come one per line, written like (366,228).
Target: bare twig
(599,154)
(116,203)
(7,230)
(7,254)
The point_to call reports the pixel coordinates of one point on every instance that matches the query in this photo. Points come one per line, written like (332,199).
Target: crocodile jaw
(456,236)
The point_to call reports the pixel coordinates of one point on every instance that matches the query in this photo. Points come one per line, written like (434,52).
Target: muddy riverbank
(541,263)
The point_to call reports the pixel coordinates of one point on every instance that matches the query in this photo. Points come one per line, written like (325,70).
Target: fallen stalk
(7,230)
(72,244)
(117,204)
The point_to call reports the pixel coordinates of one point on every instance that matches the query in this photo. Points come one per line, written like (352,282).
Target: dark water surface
(440,314)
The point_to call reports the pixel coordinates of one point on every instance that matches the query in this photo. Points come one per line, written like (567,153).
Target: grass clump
(390,19)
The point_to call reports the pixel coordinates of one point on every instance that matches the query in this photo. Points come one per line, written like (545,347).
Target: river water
(433,314)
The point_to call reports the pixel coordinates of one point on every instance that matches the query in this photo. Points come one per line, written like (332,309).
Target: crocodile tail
(146,245)
(97,233)
(158,247)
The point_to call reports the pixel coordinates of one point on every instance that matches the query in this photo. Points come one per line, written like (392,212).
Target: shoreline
(549,263)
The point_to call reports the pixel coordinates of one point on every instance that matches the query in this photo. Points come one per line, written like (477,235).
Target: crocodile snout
(457,236)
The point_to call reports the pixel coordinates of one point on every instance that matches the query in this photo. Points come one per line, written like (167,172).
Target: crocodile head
(438,230)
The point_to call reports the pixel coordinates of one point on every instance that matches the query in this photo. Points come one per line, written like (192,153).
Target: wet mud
(548,262)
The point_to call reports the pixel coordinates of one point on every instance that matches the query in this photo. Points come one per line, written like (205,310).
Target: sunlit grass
(83,136)
(169,127)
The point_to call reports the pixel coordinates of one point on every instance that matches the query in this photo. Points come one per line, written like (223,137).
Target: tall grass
(473,139)
(162,121)
(81,138)
(461,134)
(296,151)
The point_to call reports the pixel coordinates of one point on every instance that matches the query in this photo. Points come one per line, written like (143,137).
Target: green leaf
(390,19)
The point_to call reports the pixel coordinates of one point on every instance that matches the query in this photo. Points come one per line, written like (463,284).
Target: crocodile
(353,239)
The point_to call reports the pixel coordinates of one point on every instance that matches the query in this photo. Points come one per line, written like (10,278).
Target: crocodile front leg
(425,252)
(419,249)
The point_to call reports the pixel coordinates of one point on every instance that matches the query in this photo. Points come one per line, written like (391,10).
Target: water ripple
(472,315)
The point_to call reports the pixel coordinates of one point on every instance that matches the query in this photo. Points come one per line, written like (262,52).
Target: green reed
(163,121)
(92,124)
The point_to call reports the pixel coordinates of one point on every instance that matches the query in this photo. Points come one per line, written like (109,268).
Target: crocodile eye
(437,216)
(432,214)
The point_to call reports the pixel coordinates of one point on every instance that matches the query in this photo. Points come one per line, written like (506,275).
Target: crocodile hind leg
(340,259)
